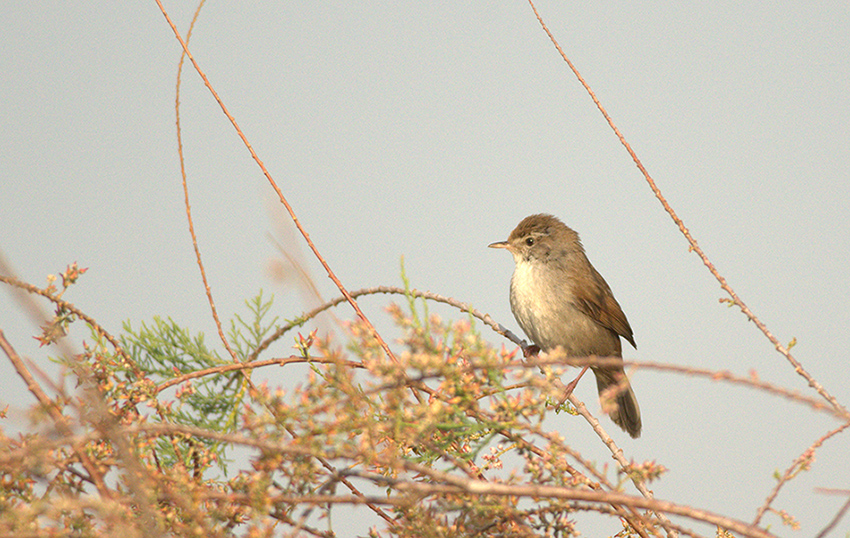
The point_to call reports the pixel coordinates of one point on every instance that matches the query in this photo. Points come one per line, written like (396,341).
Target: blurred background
(428,130)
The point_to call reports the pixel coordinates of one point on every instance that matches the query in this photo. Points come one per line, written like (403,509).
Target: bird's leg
(572,385)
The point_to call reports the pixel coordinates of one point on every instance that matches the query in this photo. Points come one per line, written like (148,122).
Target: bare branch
(802,462)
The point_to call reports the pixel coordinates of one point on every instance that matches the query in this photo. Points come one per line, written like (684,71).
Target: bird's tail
(618,399)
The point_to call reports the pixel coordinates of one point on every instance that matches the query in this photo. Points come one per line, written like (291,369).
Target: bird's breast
(544,305)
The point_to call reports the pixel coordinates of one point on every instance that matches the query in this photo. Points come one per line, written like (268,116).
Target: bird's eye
(529,241)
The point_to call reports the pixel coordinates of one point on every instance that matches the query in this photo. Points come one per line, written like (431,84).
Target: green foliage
(167,352)
(246,336)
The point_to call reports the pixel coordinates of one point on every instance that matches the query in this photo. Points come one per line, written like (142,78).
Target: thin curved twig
(714,375)
(389,290)
(65,305)
(795,467)
(734,299)
(283,361)
(841,511)
(198,261)
(277,190)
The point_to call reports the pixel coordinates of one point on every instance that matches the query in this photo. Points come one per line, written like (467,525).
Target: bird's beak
(499,244)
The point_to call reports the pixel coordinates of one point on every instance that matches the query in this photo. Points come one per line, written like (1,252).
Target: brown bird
(559,299)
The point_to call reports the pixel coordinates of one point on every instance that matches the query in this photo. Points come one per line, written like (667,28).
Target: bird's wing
(599,304)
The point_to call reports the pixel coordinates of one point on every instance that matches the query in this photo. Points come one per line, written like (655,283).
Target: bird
(560,300)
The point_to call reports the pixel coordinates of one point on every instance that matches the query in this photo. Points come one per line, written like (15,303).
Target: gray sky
(429,130)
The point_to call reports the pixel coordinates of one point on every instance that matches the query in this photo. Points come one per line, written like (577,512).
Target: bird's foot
(530,351)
